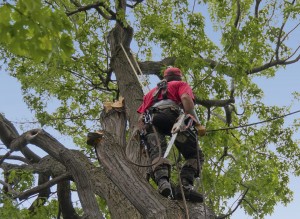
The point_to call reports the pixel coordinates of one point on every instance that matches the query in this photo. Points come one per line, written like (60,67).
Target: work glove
(201,130)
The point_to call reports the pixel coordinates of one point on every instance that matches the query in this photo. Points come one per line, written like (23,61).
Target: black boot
(186,184)
(164,187)
(188,192)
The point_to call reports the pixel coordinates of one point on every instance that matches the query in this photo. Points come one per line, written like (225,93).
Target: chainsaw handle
(178,124)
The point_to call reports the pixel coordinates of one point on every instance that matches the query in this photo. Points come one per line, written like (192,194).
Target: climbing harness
(162,88)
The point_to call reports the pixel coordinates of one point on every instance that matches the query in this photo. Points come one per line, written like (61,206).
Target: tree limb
(65,201)
(19,158)
(238,13)
(236,207)
(257,2)
(8,133)
(96,6)
(9,188)
(211,103)
(44,194)
(155,68)
(269,65)
(43,186)
(77,169)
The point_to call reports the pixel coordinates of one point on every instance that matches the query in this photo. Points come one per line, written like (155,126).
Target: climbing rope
(129,61)
(158,145)
(181,189)
(255,123)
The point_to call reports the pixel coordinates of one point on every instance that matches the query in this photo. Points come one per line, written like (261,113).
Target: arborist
(159,111)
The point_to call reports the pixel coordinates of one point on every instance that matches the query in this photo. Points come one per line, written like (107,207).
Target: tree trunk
(132,184)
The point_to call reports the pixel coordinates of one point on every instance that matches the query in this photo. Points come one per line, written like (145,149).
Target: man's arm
(189,108)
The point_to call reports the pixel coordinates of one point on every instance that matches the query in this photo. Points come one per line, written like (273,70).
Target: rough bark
(65,200)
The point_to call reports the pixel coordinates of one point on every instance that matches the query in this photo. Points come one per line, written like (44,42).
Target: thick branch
(112,17)
(8,133)
(211,103)
(41,187)
(155,68)
(78,171)
(44,194)
(19,158)
(269,65)
(65,201)
(257,2)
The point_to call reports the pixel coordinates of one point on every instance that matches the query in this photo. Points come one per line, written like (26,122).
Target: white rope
(132,65)
(144,77)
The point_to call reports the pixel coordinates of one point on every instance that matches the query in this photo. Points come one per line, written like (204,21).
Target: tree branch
(8,133)
(267,65)
(9,188)
(135,4)
(211,103)
(155,68)
(96,6)
(77,170)
(236,207)
(43,186)
(44,194)
(257,2)
(65,201)
(19,158)
(238,13)
(279,41)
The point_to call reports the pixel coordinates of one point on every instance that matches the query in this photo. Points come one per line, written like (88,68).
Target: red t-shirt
(175,90)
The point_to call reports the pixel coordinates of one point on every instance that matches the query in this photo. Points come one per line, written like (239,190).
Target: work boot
(164,187)
(186,184)
(188,192)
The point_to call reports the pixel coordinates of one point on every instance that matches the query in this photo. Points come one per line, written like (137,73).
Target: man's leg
(188,148)
(161,167)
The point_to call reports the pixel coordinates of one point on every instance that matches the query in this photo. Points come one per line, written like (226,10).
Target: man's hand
(201,130)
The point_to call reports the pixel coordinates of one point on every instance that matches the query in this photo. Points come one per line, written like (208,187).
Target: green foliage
(103,207)
(10,210)
(24,32)
(20,179)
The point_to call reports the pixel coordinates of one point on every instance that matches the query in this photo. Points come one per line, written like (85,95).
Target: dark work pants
(163,121)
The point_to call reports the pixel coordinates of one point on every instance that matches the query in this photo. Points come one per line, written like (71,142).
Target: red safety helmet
(172,71)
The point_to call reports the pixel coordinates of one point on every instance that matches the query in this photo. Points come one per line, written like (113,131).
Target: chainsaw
(183,124)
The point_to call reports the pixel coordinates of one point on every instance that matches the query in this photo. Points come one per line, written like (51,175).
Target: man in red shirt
(160,108)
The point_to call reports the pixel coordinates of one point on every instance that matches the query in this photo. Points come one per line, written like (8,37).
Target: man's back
(175,89)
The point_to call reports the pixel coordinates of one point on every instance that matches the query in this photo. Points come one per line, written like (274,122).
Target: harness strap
(162,88)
